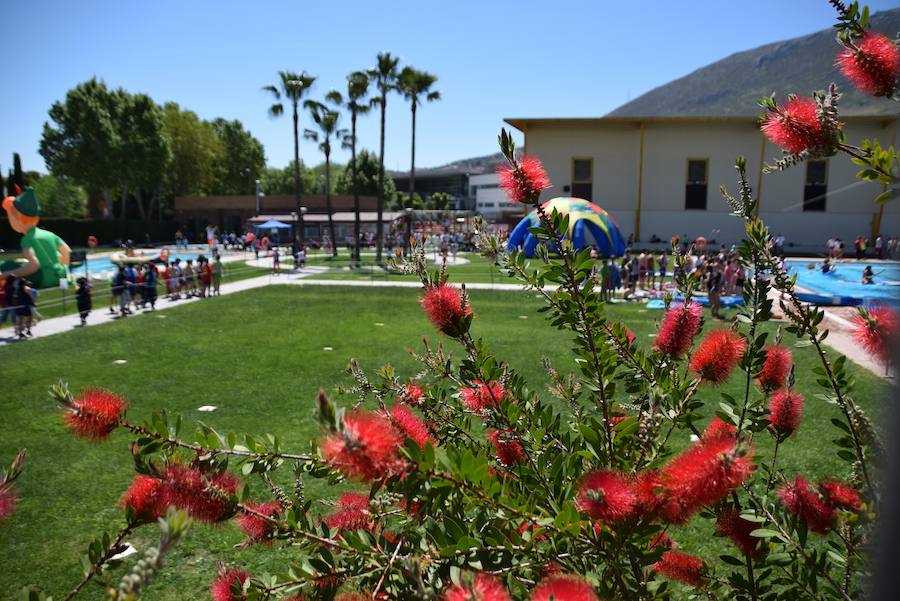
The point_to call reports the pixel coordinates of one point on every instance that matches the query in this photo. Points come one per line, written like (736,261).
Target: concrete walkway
(839,338)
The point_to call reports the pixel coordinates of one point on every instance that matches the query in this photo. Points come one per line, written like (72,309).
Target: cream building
(660,176)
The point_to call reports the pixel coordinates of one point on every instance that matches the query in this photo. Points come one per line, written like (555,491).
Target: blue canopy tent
(272,224)
(589,225)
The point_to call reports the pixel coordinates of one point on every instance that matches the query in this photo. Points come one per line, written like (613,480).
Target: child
(83,299)
(604,280)
(205,277)
(276,261)
(218,271)
(150,278)
(301,257)
(663,264)
(25,309)
(7,293)
(190,285)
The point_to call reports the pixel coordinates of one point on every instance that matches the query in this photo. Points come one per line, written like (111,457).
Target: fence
(76,231)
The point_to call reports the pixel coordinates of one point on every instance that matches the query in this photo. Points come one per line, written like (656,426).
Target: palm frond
(273,90)
(310,134)
(335,97)
(276,110)
(433,96)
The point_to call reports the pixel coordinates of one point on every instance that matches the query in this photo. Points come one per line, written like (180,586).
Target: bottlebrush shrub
(470,484)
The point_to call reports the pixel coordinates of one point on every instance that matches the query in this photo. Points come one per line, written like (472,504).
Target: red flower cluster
(679,327)
(256,528)
(785,411)
(878,332)
(482,396)
(368,448)
(509,449)
(95,413)
(661,540)
(412,394)
(719,428)
(352,513)
(840,494)
(443,304)
(524,182)
(8,501)
(483,587)
(717,355)
(203,496)
(220,588)
(410,425)
(731,524)
(776,368)
(800,499)
(145,499)
(681,567)
(563,587)
(873,66)
(795,127)
(606,496)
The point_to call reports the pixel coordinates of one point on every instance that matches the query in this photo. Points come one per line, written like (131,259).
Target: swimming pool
(102,268)
(846,281)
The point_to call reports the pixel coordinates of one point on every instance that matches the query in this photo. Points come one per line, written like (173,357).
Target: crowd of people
(880,248)
(19,305)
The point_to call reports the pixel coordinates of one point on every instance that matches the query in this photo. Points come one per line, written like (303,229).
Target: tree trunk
(297,192)
(107,206)
(139,199)
(356,224)
(123,211)
(412,172)
(334,251)
(379,230)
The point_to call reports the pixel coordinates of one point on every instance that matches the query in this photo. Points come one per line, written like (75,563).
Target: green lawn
(259,357)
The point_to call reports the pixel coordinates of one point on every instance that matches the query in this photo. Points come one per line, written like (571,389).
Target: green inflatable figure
(46,254)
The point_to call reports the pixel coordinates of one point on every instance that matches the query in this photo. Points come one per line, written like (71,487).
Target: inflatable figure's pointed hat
(27,203)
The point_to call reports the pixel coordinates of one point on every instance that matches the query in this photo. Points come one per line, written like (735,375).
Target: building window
(583,178)
(695,188)
(816,187)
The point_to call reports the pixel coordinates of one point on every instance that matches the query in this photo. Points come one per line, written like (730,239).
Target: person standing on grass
(7,293)
(604,280)
(151,277)
(83,299)
(218,272)
(276,261)
(131,286)
(714,288)
(663,265)
(190,285)
(205,277)
(26,308)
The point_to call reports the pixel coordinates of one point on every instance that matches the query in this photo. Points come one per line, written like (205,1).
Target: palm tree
(384,76)
(291,88)
(416,86)
(357,88)
(326,120)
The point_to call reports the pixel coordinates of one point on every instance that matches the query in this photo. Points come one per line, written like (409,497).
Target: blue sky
(494,58)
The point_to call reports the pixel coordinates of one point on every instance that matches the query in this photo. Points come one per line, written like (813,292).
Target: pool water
(102,268)
(846,280)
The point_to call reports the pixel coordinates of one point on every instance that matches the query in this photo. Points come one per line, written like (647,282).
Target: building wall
(615,150)
(489,198)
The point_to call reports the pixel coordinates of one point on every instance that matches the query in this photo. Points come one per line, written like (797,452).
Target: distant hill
(732,85)
(472,166)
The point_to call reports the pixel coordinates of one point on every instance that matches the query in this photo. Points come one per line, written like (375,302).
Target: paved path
(839,337)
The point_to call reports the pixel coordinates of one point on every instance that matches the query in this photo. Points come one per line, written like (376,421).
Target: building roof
(338,217)
(522,123)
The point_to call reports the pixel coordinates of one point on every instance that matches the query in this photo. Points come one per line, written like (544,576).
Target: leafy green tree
(83,140)
(143,151)
(384,76)
(356,104)
(280,180)
(439,201)
(240,160)
(195,147)
(326,121)
(18,174)
(60,197)
(367,172)
(291,87)
(415,86)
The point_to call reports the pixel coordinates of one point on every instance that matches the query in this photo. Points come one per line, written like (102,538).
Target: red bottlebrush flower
(220,588)
(412,394)
(679,327)
(8,502)
(806,504)
(509,449)
(352,513)
(443,304)
(785,411)
(483,587)
(524,182)
(876,332)
(681,567)
(731,524)
(840,494)
(795,127)
(648,489)
(144,499)
(873,66)
(352,596)
(95,413)
(719,428)
(564,587)
(203,496)
(256,528)
(482,396)
(717,355)
(776,368)
(606,496)
(410,425)
(661,540)
(367,448)
(705,473)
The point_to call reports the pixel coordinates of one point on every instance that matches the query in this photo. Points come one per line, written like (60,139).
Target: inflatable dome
(589,225)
